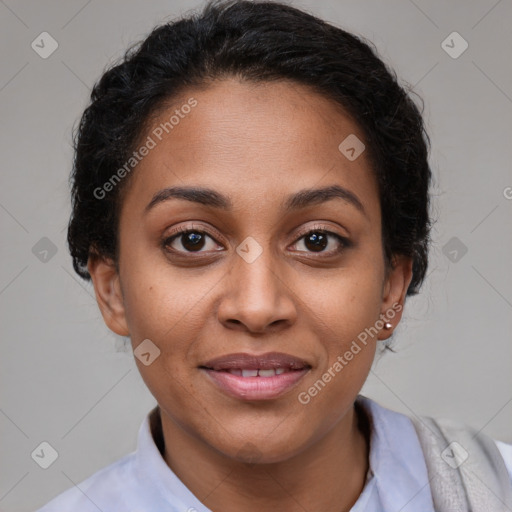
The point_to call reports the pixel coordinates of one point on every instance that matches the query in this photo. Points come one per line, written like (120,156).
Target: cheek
(166,306)
(162,301)
(343,314)
(342,317)
(345,302)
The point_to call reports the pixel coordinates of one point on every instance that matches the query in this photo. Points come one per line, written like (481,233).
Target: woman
(251,202)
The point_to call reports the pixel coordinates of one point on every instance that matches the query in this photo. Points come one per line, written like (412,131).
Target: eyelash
(167,241)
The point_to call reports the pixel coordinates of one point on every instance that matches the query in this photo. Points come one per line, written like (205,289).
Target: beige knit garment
(466,470)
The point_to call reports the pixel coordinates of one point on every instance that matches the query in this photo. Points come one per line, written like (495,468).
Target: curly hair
(255,41)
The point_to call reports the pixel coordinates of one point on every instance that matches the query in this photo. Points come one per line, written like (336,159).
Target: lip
(266,361)
(255,388)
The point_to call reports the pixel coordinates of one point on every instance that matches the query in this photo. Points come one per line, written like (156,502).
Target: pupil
(319,241)
(193,241)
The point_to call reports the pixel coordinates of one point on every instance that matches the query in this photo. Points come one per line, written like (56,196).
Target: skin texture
(256,144)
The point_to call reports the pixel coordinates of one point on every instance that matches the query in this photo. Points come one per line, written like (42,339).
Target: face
(259,268)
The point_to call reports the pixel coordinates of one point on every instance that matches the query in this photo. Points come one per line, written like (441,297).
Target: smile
(257,373)
(255,384)
(255,376)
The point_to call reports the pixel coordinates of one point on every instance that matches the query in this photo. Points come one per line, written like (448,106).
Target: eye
(317,239)
(191,239)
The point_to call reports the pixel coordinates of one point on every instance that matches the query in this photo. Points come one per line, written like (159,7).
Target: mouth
(255,377)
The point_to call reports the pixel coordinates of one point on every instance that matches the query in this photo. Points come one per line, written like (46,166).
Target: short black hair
(254,41)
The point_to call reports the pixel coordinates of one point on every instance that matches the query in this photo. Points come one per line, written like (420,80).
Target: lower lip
(255,388)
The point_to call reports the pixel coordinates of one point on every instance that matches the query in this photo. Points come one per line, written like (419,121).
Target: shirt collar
(397,466)
(397,463)
(155,476)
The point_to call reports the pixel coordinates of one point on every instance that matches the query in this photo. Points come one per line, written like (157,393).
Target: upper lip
(267,361)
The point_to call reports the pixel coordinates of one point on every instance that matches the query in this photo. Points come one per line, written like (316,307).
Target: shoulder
(430,432)
(108,486)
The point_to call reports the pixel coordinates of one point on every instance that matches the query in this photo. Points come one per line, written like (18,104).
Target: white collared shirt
(143,482)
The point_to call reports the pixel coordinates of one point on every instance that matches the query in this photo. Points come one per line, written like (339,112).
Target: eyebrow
(301,199)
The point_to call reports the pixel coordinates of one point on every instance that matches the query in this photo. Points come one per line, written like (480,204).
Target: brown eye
(188,241)
(318,240)
(193,241)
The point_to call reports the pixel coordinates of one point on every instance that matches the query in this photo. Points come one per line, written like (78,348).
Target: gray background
(67,380)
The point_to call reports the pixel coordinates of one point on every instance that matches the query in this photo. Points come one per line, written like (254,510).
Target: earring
(388,325)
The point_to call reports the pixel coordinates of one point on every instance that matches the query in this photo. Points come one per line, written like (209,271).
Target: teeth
(254,373)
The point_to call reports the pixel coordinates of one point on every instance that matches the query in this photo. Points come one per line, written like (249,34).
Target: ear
(394,291)
(109,296)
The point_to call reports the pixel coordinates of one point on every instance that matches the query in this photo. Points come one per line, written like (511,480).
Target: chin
(258,448)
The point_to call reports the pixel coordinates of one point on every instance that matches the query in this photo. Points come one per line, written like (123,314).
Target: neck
(329,475)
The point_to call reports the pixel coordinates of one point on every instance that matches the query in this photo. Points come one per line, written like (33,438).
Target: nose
(257,296)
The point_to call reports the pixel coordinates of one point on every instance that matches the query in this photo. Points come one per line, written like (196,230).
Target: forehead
(254,142)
